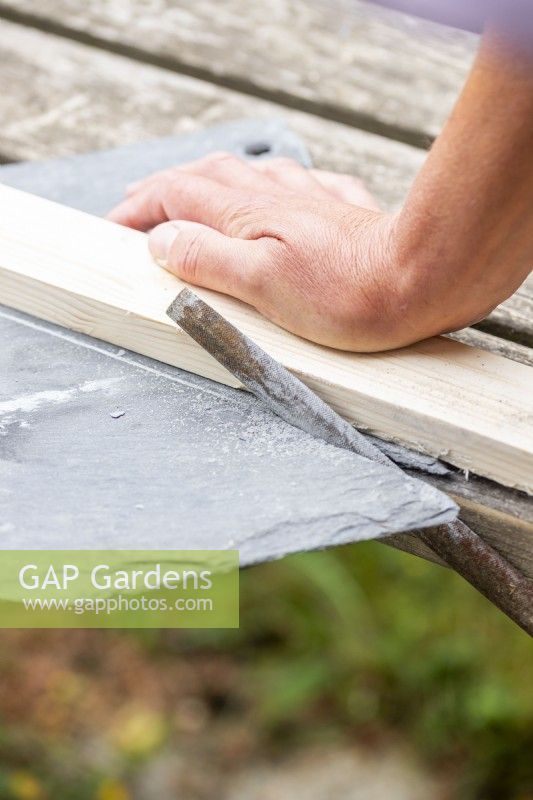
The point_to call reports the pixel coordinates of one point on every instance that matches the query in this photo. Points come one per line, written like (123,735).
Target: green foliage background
(353,644)
(382,639)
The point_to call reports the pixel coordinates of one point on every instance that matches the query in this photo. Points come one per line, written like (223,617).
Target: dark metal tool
(462,549)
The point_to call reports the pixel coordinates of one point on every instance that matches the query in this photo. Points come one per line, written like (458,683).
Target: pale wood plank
(348,59)
(451,400)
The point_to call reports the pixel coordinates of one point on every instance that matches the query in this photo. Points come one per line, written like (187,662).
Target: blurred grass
(368,639)
(359,643)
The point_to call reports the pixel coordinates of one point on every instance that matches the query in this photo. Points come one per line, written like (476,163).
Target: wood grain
(502,347)
(345,59)
(514,318)
(60,97)
(468,406)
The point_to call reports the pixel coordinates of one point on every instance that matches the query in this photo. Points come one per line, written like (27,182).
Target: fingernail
(161,240)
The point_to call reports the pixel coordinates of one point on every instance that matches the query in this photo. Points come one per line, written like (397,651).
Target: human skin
(312,251)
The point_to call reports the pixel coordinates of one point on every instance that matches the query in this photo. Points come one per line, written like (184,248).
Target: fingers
(270,176)
(223,167)
(193,198)
(232,171)
(205,257)
(346,188)
(274,174)
(289,174)
(231,195)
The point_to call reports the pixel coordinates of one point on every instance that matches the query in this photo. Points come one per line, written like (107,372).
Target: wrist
(429,295)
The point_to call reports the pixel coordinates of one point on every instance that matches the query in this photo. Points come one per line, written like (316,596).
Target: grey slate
(188,464)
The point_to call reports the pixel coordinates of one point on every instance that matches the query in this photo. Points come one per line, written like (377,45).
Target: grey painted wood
(95,182)
(503,517)
(351,60)
(514,318)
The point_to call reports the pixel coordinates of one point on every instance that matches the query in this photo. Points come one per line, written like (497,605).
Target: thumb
(205,257)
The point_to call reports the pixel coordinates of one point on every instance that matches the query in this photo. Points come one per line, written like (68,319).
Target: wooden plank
(128,98)
(60,97)
(504,518)
(514,318)
(345,59)
(493,344)
(448,399)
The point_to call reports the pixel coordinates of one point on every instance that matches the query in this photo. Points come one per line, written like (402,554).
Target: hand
(309,249)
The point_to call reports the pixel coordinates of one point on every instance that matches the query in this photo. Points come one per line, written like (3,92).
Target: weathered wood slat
(514,318)
(346,59)
(504,518)
(60,97)
(503,347)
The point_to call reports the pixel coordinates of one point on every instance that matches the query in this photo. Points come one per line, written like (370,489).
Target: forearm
(465,236)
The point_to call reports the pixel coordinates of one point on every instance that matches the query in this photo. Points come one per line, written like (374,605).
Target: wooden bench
(77,79)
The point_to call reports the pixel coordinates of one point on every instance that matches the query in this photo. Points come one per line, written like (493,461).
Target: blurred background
(356,673)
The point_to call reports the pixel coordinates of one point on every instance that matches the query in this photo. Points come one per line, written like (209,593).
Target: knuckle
(248,218)
(221,158)
(274,166)
(237,219)
(351,180)
(178,183)
(153,204)
(166,182)
(164,178)
(174,173)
